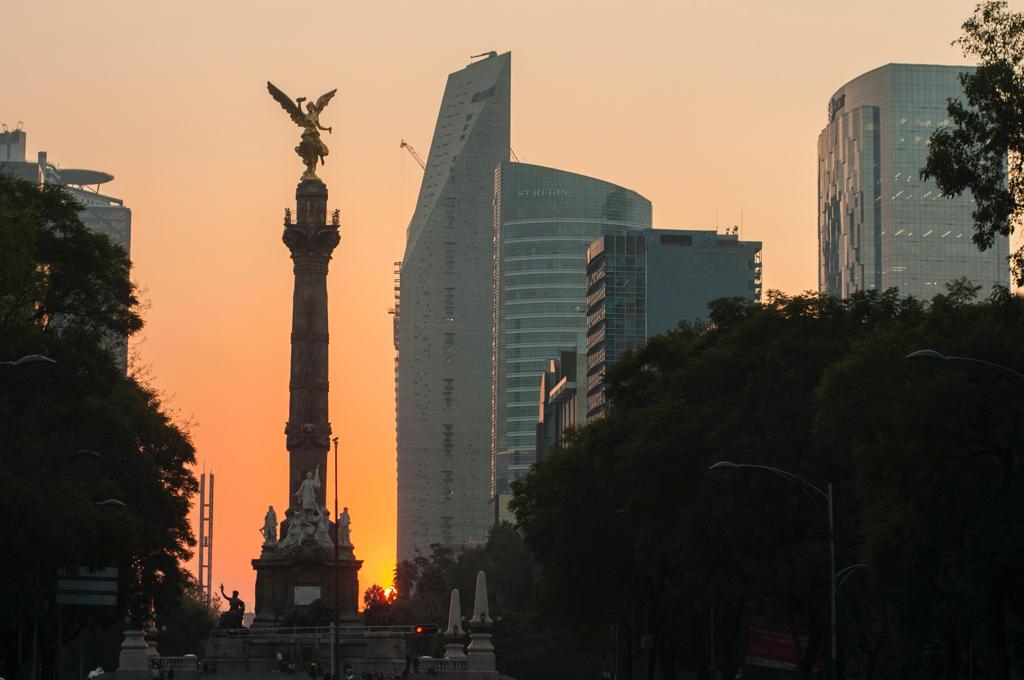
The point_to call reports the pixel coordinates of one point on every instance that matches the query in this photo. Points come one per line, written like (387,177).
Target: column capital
(311,241)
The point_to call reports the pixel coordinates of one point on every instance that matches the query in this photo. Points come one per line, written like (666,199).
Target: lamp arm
(1007,372)
(844,574)
(796,479)
(799,482)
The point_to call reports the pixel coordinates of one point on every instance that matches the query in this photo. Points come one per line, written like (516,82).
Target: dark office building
(645,283)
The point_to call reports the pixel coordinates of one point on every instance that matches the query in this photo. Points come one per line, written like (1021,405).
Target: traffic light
(425,629)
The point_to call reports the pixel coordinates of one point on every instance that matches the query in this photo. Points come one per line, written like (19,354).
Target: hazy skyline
(706,108)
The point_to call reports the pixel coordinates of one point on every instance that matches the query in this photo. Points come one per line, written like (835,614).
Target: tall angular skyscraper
(444,328)
(880,225)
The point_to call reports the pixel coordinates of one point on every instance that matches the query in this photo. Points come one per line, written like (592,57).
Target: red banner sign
(773,649)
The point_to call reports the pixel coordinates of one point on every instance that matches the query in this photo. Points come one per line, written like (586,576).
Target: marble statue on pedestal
(295,531)
(308,527)
(270,528)
(344,524)
(322,534)
(306,492)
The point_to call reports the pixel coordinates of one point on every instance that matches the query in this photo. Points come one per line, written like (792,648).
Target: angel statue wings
(311,148)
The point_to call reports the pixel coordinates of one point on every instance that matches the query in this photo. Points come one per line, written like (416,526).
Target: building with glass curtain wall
(645,283)
(880,225)
(544,220)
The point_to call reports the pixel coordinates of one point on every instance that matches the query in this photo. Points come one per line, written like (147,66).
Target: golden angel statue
(311,148)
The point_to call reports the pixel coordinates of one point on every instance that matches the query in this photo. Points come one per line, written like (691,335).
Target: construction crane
(489,55)
(419,159)
(412,151)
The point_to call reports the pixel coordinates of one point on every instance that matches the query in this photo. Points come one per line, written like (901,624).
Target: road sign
(84,586)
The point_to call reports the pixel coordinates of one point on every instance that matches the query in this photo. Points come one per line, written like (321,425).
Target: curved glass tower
(544,220)
(880,225)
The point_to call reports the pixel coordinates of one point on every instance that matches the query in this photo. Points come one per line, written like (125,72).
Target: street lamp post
(825,493)
(334,570)
(1006,461)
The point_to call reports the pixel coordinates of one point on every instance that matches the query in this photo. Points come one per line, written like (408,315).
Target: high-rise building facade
(642,284)
(101,214)
(444,328)
(544,219)
(880,225)
(557,406)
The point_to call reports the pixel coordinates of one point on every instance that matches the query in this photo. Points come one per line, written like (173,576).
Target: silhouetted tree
(64,292)
(377,606)
(983,151)
(641,549)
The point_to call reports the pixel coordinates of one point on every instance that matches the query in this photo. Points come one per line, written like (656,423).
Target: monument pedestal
(255,651)
(133,662)
(295,588)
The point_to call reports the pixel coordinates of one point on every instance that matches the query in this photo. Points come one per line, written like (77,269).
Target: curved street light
(938,357)
(1015,377)
(28,359)
(81,453)
(825,493)
(111,502)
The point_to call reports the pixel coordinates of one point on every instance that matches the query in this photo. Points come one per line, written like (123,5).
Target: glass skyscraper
(644,283)
(544,220)
(880,225)
(443,319)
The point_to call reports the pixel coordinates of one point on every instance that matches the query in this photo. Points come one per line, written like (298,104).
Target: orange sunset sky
(706,107)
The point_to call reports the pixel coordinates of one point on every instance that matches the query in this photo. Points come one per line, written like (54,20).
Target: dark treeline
(525,646)
(93,472)
(646,556)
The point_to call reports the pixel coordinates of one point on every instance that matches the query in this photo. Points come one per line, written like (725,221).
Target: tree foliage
(64,292)
(641,548)
(524,647)
(983,150)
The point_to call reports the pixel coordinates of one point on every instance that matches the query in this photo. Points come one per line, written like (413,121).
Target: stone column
(481,665)
(454,634)
(311,241)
